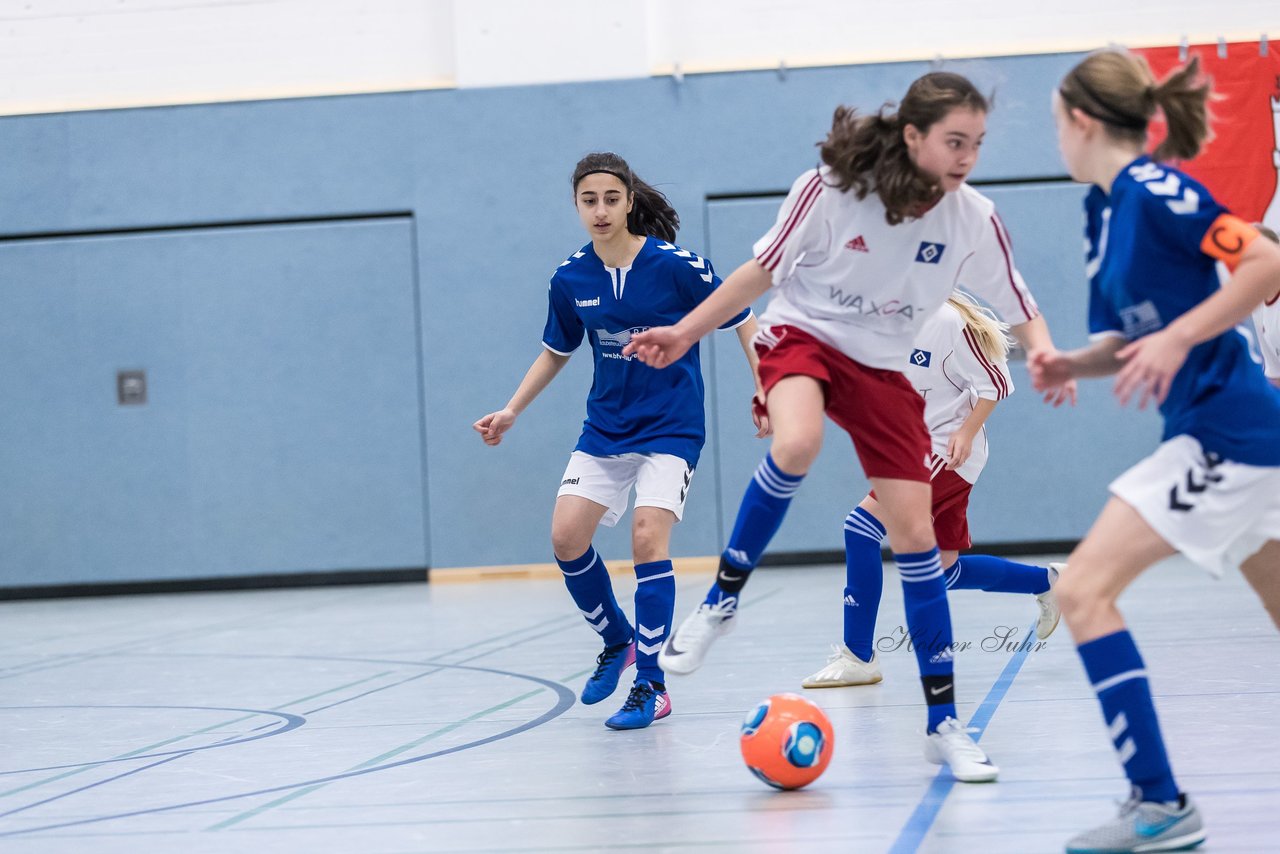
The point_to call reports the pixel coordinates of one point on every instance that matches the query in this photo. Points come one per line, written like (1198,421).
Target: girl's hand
(1052,376)
(1150,365)
(760,415)
(657,347)
(959,448)
(1058,395)
(493,425)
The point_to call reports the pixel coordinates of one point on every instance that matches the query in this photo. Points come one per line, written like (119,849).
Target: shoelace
(605,658)
(1127,807)
(958,737)
(715,614)
(836,654)
(640,694)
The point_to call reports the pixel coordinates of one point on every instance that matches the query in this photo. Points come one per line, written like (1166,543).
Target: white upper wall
(58,55)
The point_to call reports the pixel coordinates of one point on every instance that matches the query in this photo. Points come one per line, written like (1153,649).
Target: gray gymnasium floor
(442,717)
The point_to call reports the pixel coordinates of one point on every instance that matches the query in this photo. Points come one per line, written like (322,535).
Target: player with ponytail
(1161,322)
(644,428)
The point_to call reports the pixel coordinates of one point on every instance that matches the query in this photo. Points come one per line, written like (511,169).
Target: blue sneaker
(609,667)
(645,704)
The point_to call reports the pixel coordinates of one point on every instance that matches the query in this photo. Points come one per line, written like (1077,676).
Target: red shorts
(879,409)
(951,511)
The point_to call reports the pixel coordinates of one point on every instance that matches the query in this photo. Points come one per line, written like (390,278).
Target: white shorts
(1216,513)
(661,480)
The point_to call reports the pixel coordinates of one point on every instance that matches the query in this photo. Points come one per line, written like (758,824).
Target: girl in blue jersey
(1162,323)
(644,427)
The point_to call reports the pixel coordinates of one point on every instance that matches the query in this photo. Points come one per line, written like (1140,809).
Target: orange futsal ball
(787,741)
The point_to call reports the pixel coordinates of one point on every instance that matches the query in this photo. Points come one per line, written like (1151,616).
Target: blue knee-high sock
(655,609)
(759,516)
(589,585)
(864,580)
(996,575)
(924,594)
(1119,677)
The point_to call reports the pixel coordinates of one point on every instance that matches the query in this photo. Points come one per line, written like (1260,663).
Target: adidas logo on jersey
(857,244)
(850,601)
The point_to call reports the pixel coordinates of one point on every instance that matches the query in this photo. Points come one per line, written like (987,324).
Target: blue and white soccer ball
(787,741)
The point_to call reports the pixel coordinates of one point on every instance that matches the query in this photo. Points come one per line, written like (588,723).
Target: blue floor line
(926,812)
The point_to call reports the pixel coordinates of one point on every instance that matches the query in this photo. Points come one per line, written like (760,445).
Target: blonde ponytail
(992,334)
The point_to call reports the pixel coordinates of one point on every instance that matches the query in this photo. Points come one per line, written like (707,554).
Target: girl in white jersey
(1165,326)
(865,248)
(1260,569)
(1266,322)
(959,365)
(644,429)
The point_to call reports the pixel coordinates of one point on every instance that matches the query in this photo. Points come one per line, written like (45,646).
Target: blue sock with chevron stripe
(589,585)
(655,609)
(1119,677)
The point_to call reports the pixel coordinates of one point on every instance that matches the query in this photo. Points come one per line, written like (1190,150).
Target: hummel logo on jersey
(920,358)
(569,480)
(858,244)
(586,303)
(1160,183)
(930,253)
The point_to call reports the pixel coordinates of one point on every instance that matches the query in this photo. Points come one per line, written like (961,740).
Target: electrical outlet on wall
(131,388)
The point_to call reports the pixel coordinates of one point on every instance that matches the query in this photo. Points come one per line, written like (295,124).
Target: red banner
(1240,165)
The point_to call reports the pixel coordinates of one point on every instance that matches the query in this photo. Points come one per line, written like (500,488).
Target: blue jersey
(1148,254)
(634,408)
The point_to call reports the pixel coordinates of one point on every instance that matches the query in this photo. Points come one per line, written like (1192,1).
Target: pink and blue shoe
(647,702)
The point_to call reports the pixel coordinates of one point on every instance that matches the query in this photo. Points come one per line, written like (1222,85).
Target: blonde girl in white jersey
(960,367)
(865,248)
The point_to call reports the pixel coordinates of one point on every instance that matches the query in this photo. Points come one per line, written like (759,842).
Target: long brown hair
(651,213)
(868,152)
(1118,89)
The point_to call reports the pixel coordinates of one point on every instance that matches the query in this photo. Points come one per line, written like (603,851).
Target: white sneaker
(1050,613)
(688,645)
(844,669)
(951,745)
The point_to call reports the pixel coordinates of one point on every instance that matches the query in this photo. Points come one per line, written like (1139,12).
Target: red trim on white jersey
(997,378)
(1005,243)
(770,257)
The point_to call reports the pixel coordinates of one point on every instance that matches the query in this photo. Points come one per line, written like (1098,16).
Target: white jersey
(1266,321)
(847,277)
(952,373)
